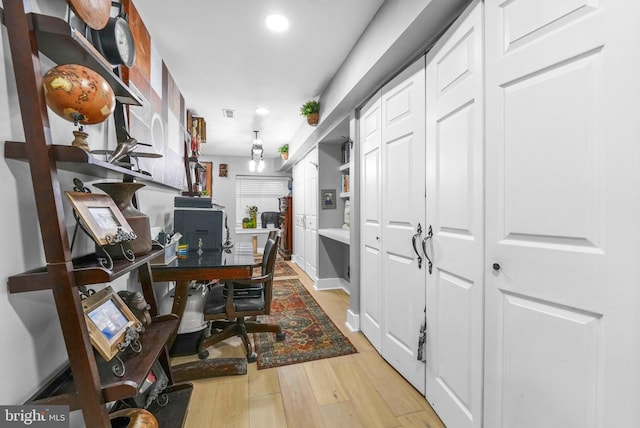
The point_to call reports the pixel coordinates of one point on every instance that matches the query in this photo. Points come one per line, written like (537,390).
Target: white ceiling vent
(227,113)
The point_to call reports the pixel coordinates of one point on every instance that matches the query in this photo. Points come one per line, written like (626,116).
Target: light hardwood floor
(358,390)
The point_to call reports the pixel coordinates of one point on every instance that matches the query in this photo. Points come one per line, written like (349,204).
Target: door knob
(496,266)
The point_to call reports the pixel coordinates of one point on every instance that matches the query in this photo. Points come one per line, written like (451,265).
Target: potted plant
(311,109)
(284,151)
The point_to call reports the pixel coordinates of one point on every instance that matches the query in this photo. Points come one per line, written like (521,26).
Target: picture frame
(328,199)
(100,216)
(107,318)
(152,387)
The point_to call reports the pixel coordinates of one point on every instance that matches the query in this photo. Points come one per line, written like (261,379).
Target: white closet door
(371,223)
(298,209)
(563,145)
(403,213)
(455,211)
(311,213)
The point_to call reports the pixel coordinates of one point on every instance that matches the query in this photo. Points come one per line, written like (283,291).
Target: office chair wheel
(203,355)
(252,357)
(280,336)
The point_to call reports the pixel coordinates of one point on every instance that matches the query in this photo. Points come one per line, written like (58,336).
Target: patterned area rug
(311,335)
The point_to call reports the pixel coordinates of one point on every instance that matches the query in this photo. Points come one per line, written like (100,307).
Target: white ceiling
(222,56)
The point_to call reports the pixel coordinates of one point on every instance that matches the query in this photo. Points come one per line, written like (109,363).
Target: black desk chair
(233,306)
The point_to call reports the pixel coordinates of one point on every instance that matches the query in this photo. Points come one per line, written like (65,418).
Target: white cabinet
(529,175)
(305,203)
(393,144)
(562,210)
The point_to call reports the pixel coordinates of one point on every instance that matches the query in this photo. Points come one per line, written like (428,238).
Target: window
(260,191)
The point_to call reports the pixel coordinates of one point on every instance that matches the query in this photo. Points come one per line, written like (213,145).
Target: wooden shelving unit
(88,383)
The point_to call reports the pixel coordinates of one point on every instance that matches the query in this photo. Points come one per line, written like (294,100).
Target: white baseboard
(332,284)
(353,321)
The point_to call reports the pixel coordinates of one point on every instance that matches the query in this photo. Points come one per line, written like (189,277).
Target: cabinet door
(403,210)
(311,213)
(371,223)
(298,216)
(562,215)
(455,211)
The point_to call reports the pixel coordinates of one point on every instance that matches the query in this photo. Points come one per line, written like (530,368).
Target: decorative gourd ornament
(78,94)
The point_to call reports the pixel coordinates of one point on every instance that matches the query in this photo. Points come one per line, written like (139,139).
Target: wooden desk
(238,262)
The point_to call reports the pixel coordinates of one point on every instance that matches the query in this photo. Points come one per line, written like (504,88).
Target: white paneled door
(403,213)
(305,203)
(392,133)
(298,210)
(371,223)
(311,213)
(562,182)
(455,213)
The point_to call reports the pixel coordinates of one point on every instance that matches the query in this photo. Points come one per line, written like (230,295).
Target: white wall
(224,188)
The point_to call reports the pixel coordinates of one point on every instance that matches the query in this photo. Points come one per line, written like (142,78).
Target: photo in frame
(100,216)
(154,383)
(328,199)
(108,318)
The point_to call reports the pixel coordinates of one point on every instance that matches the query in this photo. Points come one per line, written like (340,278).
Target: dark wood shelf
(62,390)
(174,413)
(65,45)
(86,271)
(74,159)
(88,383)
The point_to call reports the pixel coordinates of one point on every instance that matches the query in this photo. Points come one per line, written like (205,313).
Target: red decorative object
(78,94)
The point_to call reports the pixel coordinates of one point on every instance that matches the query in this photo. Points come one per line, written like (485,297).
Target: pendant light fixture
(257,153)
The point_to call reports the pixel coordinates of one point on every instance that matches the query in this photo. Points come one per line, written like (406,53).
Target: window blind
(260,191)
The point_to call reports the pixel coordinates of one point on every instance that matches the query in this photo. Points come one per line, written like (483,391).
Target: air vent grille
(227,113)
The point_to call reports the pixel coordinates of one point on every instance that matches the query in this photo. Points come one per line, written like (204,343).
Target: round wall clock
(94,13)
(115,42)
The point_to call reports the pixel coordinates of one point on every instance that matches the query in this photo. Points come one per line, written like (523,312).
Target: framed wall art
(108,318)
(328,199)
(100,216)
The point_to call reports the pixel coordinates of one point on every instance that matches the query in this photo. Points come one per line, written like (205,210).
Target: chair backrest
(268,267)
(269,254)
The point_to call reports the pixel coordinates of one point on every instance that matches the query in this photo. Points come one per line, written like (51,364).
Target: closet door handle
(424,248)
(413,242)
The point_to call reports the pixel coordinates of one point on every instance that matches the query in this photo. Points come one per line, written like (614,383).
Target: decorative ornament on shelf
(252,212)
(284,151)
(80,95)
(311,109)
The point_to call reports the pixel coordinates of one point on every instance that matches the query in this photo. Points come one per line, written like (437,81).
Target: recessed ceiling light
(262,111)
(277,23)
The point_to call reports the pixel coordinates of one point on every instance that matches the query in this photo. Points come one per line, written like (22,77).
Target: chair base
(222,330)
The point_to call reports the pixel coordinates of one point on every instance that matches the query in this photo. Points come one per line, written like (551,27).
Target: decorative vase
(122,195)
(285,155)
(312,118)
(133,418)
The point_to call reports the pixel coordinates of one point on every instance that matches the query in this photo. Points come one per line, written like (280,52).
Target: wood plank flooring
(358,390)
